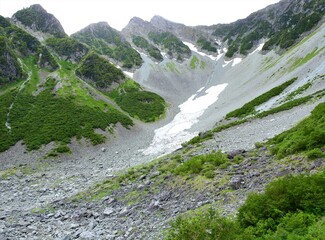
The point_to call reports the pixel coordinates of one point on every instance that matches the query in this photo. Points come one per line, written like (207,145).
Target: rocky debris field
(46,198)
(140,203)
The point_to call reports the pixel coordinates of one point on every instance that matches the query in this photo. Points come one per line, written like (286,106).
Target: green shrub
(290,208)
(315,153)
(173,45)
(205,44)
(68,48)
(149,48)
(287,195)
(203,225)
(307,135)
(206,162)
(144,105)
(100,71)
(44,118)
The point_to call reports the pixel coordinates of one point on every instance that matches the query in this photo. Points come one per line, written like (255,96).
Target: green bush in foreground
(307,135)
(203,163)
(290,208)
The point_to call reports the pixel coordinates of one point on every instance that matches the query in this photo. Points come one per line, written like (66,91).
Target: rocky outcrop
(10,69)
(37,19)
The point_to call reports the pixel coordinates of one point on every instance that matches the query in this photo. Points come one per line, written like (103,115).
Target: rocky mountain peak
(37,19)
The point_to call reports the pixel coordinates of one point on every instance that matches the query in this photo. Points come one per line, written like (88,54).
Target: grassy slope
(52,116)
(144,105)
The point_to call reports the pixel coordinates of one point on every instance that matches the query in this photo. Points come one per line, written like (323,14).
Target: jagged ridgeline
(55,88)
(108,41)
(282,24)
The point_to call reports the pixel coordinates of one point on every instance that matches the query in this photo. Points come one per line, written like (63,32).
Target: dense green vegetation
(290,208)
(174,46)
(149,48)
(144,105)
(100,71)
(205,164)
(249,108)
(307,135)
(68,48)
(205,44)
(37,18)
(46,117)
(107,41)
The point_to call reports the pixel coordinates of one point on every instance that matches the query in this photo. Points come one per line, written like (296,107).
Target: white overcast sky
(77,14)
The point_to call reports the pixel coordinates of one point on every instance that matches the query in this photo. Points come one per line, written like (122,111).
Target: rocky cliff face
(37,19)
(10,69)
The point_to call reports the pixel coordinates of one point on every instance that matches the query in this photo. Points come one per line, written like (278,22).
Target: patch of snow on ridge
(130,74)
(194,49)
(170,137)
(235,61)
(259,48)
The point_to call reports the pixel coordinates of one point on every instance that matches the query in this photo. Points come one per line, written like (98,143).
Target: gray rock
(108,211)
(236,182)
(87,235)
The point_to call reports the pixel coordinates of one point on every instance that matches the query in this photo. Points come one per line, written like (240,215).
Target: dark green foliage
(249,108)
(307,135)
(100,71)
(127,55)
(282,28)
(38,19)
(205,44)
(149,48)
(174,46)
(45,118)
(202,163)
(287,36)
(25,45)
(203,225)
(232,50)
(146,106)
(46,60)
(59,150)
(290,208)
(68,48)
(287,195)
(107,41)
(315,153)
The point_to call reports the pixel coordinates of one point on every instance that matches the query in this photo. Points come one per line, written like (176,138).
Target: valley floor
(27,189)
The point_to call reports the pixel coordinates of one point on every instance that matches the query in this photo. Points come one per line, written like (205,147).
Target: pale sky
(77,14)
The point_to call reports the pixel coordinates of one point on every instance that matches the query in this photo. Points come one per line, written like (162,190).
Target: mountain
(282,25)
(56,88)
(37,19)
(109,42)
(204,132)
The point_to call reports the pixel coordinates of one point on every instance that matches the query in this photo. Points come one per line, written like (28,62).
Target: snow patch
(130,74)
(259,48)
(194,49)
(235,61)
(170,137)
